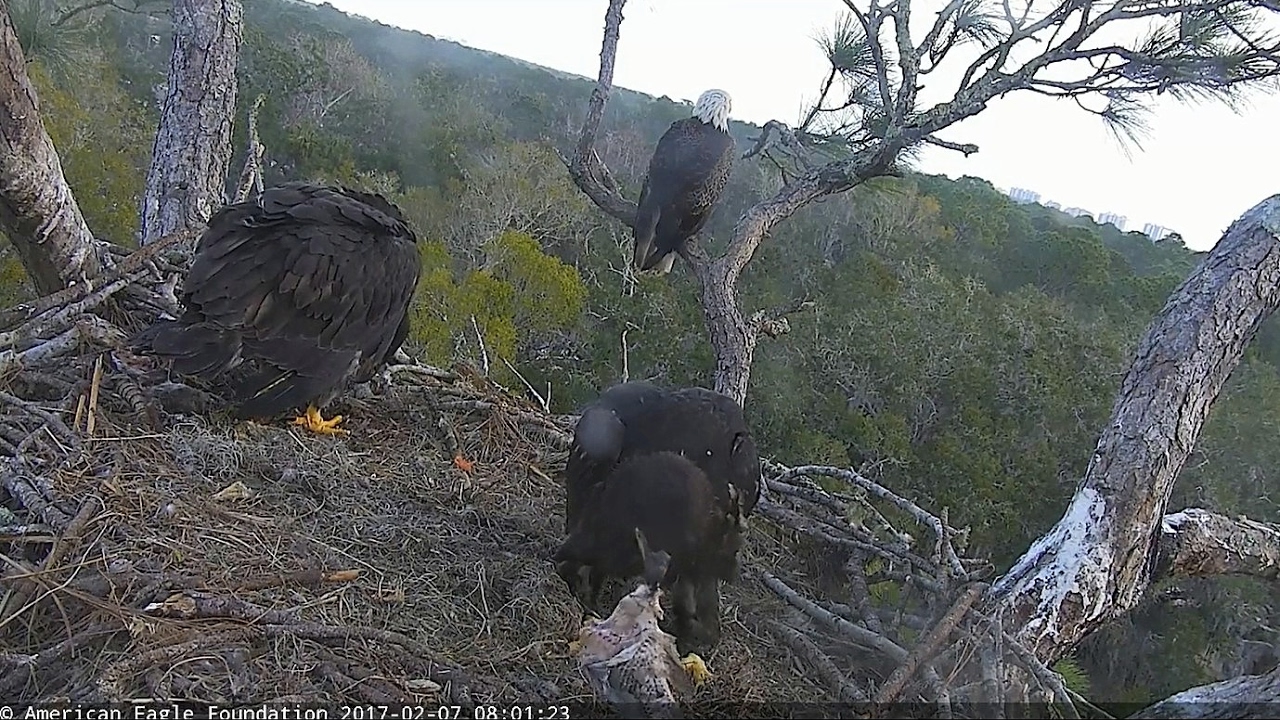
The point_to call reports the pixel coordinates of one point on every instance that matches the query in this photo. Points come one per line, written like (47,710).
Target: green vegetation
(964,349)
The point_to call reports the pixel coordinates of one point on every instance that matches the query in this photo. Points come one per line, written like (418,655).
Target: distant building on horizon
(1155,232)
(1023,195)
(1052,205)
(1077,212)
(1118,221)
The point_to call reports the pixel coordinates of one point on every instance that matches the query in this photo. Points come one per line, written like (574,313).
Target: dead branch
(191,604)
(1198,543)
(943,549)
(111,683)
(251,174)
(585,168)
(370,689)
(1250,697)
(141,6)
(16,669)
(33,492)
(840,686)
(827,533)
(49,313)
(859,635)
(893,687)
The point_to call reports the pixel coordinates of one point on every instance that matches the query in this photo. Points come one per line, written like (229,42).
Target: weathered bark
(1198,543)
(191,157)
(1098,560)
(37,209)
(1249,697)
(251,173)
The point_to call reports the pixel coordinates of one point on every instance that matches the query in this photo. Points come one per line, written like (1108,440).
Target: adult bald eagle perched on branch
(290,297)
(687,175)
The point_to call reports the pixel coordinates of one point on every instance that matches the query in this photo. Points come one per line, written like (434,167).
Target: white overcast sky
(1199,168)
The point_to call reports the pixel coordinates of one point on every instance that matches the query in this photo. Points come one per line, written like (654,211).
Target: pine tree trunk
(37,209)
(192,154)
(733,337)
(1099,559)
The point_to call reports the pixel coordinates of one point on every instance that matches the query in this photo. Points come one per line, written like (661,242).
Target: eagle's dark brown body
(668,498)
(687,176)
(291,296)
(639,417)
(623,438)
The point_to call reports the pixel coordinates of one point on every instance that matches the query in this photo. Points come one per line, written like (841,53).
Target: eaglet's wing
(309,280)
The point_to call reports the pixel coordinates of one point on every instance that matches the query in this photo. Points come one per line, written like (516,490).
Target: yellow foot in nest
(463,464)
(696,668)
(316,423)
(575,647)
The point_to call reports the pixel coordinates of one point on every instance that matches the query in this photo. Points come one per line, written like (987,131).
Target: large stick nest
(149,553)
(245,563)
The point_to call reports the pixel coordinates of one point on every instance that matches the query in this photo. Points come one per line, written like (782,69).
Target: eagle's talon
(316,423)
(697,669)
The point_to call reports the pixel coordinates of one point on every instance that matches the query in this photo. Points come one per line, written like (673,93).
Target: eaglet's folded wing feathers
(291,290)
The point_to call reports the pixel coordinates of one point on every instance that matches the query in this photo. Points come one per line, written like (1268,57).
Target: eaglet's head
(713,107)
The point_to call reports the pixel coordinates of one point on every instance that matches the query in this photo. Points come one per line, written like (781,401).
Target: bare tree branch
(141,6)
(1249,697)
(586,168)
(251,173)
(965,148)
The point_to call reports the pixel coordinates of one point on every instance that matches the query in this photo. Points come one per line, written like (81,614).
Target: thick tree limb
(1198,543)
(924,652)
(1098,560)
(37,209)
(1249,697)
(192,154)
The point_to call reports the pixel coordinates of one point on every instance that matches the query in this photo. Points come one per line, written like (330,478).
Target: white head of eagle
(713,108)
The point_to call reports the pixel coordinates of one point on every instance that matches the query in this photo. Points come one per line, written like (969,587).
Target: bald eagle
(291,296)
(668,497)
(687,175)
